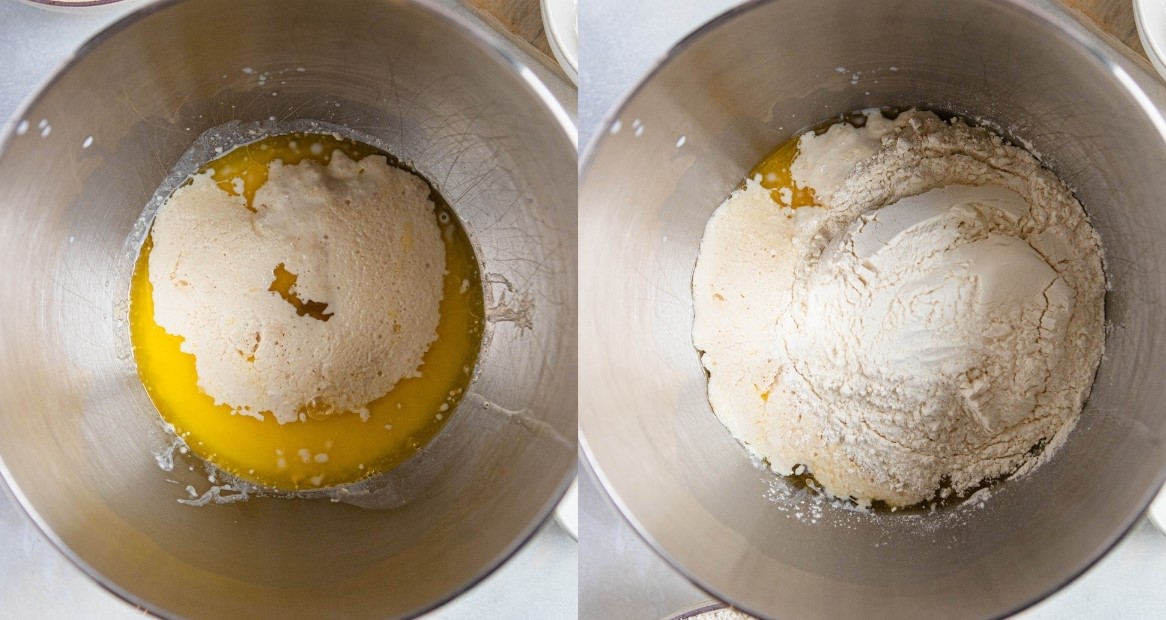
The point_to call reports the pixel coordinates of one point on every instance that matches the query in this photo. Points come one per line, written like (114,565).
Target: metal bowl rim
(1048,18)
(490,49)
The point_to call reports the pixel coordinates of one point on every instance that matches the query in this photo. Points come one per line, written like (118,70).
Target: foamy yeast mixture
(900,310)
(303,313)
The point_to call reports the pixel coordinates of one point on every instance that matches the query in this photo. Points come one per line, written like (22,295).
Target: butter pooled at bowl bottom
(327,312)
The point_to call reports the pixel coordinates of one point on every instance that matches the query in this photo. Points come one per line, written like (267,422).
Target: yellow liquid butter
(324,451)
(775,170)
(776,175)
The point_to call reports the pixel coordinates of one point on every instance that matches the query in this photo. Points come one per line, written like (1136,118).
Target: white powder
(361,237)
(848,146)
(936,320)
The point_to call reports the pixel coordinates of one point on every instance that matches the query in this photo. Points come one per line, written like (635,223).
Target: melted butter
(316,451)
(776,176)
(775,168)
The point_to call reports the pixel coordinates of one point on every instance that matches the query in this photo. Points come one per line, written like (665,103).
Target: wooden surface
(521,19)
(1114,17)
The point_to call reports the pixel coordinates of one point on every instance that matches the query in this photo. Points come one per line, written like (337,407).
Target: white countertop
(36,581)
(621,578)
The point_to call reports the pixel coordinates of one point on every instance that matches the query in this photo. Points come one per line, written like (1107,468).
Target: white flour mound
(939,317)
(360,236)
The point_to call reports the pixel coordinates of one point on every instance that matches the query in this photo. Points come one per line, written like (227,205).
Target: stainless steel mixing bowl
(78,435)
(736,89)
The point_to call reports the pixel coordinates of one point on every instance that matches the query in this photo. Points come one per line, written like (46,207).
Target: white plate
(1157,512)
(567,513)
(82,6)
(1150,16)
(561,21)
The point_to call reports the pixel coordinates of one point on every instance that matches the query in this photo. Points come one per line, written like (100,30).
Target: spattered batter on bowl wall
(901,309)
(303,313)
